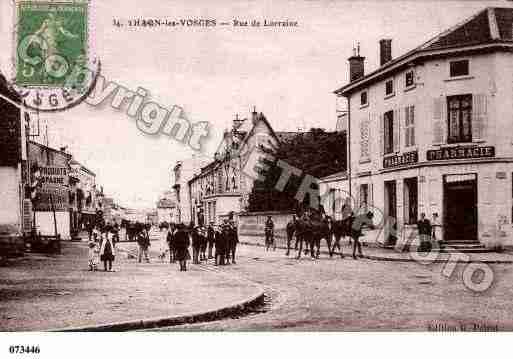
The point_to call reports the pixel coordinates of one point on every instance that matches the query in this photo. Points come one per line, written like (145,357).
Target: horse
(357,223)
(320,230)
(304,234)
(340,229)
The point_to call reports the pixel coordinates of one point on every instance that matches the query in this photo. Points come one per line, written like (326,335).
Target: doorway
(460,207)
(390,212)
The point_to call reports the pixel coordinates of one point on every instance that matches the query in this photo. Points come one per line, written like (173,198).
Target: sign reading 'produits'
(460,152)
(54,189)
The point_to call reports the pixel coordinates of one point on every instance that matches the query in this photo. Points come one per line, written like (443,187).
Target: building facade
(13,173)
(224,185)
(183,172)
(84,199)
(51,203)
(431,132)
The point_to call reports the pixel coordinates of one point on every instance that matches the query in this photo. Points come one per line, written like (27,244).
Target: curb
(152,323)
(404,260)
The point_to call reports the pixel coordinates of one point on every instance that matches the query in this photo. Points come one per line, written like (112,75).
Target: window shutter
(371,195)
(412,125)
(381,135)
(479,117)
(437,121)
(369,135)
(406,126)
(397,130)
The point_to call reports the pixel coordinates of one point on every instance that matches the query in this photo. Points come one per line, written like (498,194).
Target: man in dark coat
(425,229)
(181,244)
(143,240)
(231,238)
(220,241)
(170,243)
(210,239)
(196,245)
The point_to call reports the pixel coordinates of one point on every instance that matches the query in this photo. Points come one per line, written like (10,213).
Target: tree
(316,153)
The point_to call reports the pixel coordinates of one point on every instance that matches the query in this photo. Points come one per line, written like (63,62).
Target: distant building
(224,185)
(83,195)
(183,171)
(166,211)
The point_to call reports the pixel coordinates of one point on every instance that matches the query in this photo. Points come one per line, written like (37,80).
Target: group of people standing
(102,247)
(213,242)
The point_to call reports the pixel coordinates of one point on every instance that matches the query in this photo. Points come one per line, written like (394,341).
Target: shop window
(459,68)
(388,132)
(410,200)
(459,113)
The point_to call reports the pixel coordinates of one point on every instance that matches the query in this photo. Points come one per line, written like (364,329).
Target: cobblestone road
(335,294)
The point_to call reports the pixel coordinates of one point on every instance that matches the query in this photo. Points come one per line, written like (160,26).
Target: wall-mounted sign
(54,189)
(407,158)
(460,152)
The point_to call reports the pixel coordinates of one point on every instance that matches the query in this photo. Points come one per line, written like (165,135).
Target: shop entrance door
(460,207)
(390,212)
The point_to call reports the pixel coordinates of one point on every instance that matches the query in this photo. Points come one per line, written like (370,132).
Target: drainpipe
(348,140)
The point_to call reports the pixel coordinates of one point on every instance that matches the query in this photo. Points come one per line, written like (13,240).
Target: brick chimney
(385,51)
(237,123)
(356,65)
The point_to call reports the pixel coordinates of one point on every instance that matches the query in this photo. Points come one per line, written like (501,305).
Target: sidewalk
(384,254)
(41,292)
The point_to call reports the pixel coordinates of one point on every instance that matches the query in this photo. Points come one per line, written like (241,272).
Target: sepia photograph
(184,167)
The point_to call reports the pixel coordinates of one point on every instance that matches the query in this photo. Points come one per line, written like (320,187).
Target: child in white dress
(93,255)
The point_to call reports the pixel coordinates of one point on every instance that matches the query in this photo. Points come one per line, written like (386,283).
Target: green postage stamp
(51,40)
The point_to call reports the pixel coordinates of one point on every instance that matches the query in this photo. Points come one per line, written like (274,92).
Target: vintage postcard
(306,166)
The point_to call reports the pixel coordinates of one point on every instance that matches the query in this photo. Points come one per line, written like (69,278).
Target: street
(346,294)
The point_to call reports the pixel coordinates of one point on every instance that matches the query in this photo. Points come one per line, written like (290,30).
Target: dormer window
(389,87)
(364,101)
(459,68)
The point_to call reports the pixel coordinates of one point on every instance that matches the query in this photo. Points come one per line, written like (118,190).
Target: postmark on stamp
(54,68)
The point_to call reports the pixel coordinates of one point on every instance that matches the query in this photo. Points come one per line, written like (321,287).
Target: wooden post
(54,216)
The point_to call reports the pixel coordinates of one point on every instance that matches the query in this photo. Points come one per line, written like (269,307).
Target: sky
(214,73)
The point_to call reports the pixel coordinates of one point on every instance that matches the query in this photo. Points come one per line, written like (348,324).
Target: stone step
(459,241)
(464,250)
(462,246)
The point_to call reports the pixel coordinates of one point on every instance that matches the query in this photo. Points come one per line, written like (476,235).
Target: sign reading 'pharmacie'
(460,152)
(407,158)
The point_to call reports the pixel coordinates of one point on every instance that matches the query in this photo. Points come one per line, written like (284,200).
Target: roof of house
(493,25)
